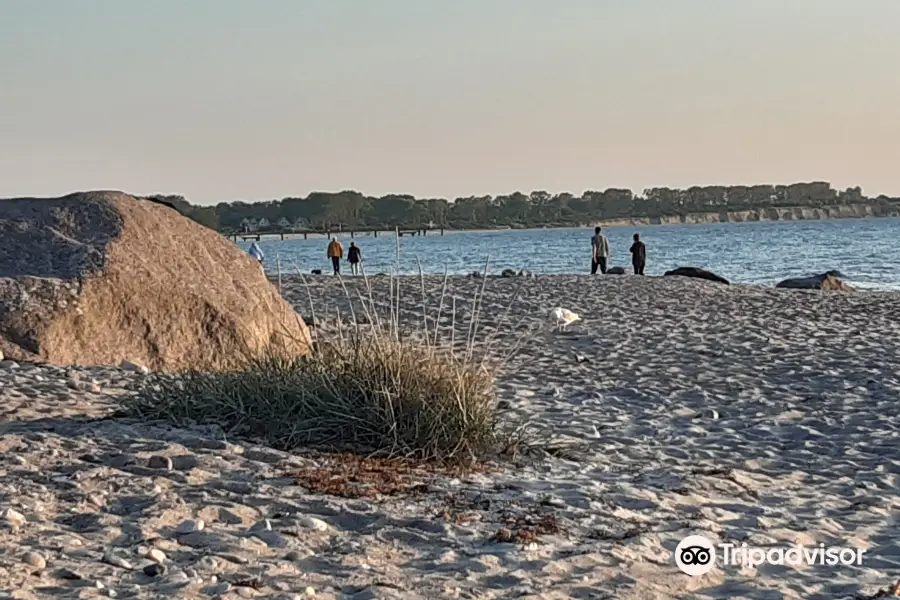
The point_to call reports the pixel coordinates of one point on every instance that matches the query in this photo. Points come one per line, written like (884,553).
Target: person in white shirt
(256,252)
(599,252)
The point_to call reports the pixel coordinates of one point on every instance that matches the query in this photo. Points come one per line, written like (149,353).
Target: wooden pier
(269,234)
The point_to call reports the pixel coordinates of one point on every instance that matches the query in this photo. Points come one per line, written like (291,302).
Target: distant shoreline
(832,213)
(326,276)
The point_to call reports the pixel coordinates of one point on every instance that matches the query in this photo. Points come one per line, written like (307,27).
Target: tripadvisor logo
(696,555)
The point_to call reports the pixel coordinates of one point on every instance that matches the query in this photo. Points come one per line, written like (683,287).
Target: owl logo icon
(695,555)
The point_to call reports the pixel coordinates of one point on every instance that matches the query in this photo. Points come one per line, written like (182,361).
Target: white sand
(738,412)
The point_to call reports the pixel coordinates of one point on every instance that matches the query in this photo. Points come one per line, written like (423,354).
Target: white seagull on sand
(563,317)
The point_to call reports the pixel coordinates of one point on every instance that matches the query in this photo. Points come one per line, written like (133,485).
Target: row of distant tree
(349,209)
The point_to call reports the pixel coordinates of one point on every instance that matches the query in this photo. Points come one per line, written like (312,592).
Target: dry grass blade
(437,320)
(312,307)
(476,312)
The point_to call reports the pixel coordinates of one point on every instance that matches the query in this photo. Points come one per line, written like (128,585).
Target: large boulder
(830,280)
(99,278)
(697,273)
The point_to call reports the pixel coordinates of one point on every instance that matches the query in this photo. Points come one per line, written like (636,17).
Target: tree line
(350,209)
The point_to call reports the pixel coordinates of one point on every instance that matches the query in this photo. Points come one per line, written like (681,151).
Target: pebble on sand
(314,523)
(14,517)
(154,570)
(35,560)
(190,526)
(134,367)
(160,462)
(157,555)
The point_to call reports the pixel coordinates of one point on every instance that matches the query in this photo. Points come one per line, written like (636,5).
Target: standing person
(599,252)
(354,257)
(256,252)
(335,253)
(638,255)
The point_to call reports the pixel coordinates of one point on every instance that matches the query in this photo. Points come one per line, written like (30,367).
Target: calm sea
(865,250)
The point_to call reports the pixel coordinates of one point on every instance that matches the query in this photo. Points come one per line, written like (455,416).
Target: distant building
(263,223)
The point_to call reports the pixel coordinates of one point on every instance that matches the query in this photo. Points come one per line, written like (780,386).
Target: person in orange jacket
(335,253)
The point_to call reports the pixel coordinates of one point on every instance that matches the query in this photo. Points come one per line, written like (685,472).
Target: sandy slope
(744,413)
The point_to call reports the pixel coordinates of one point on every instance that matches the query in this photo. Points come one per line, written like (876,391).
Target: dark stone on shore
(476,275)
(697,273)
(508,273)
(154,570)
(316,271)
(824,281)
(616,271)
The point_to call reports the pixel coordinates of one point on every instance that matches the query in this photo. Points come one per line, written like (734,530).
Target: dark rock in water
(316,272)
(697,273)
(508,273)
(477,275)
(616,271)
(824,281)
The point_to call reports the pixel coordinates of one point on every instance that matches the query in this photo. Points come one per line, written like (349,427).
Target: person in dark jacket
(354,257)
(638,255)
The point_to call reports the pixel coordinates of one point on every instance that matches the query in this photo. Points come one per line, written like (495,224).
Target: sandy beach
(676,407)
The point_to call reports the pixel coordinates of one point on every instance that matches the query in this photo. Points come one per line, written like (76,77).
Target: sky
(221,100)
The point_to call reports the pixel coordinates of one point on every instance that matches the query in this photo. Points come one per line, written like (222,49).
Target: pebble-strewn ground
(743,413)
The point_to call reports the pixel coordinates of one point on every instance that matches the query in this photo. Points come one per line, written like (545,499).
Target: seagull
(563,317)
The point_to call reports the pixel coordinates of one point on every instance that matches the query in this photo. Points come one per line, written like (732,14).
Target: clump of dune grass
(371,390)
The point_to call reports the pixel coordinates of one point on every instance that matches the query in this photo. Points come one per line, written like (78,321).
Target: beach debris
(892,591)
(615,271)
(351,476)
(508,273)
(580,358)
(525,527)
(696,273)
(563,317)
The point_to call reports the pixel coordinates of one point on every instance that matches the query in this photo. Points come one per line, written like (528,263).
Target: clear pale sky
(260,99)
